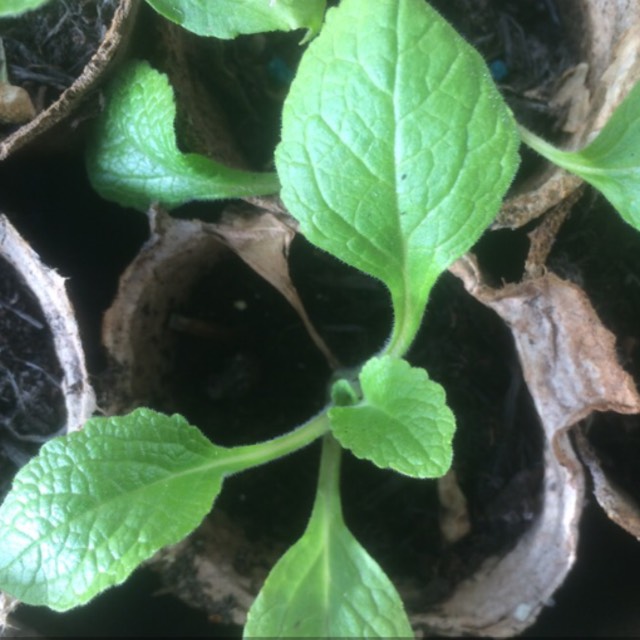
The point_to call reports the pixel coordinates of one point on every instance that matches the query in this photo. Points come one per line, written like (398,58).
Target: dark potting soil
(251,77)
(265,375)
(32,407)
(138,609)
(47,49)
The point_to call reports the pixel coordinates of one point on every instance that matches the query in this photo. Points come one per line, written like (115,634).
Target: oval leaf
(9,8)
(91,506)
(403,422)
(135,160)
(229,18)
(396,146)
(327,586)
(611,163)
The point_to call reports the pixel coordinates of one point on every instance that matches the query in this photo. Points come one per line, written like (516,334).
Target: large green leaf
(611,163)
(327,586)
(10,8)
(135,159)
(402,423)
(396,147)
(91,506)
(228,18)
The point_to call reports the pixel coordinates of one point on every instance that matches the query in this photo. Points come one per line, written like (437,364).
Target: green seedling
(396,152)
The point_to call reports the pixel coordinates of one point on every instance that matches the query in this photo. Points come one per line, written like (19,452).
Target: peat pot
(44,386)
(56,57)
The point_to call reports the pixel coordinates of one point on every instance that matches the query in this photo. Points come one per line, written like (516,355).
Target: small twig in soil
(36,324)
(10,378)
(56,28)
(46,374)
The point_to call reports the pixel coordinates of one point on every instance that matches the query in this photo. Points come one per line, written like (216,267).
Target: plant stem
(327,503)
(405,327)
(399,343)
(534,141)
(254,455)
(564,159)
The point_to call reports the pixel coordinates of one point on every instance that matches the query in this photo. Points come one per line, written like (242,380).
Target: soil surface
(47,49)
(32,407)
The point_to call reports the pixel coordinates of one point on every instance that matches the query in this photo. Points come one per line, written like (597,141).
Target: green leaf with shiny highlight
(85,512)
(403,422)
(229,18)
(135,159)
(397,148)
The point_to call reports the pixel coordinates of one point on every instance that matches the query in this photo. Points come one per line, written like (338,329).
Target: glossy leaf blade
(229,18)
(85,512)
(396,146)
(403,422)
(135,159)
(611,163)
(327,586)
(9,8)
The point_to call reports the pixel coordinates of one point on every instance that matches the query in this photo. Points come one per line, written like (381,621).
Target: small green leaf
(403,423)
(229,18)
(10,8)
(135,159)
(396,147)
(343,393)
(327,586)
(611,163)
(85,512)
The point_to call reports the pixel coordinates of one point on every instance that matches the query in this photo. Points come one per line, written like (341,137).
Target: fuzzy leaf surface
(85,512)
(611,163)
(9,8)
(396,147)
(135,159)
(327,586)
(229,18)
(402,423)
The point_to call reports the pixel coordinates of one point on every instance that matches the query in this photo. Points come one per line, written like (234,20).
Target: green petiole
(245,457)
